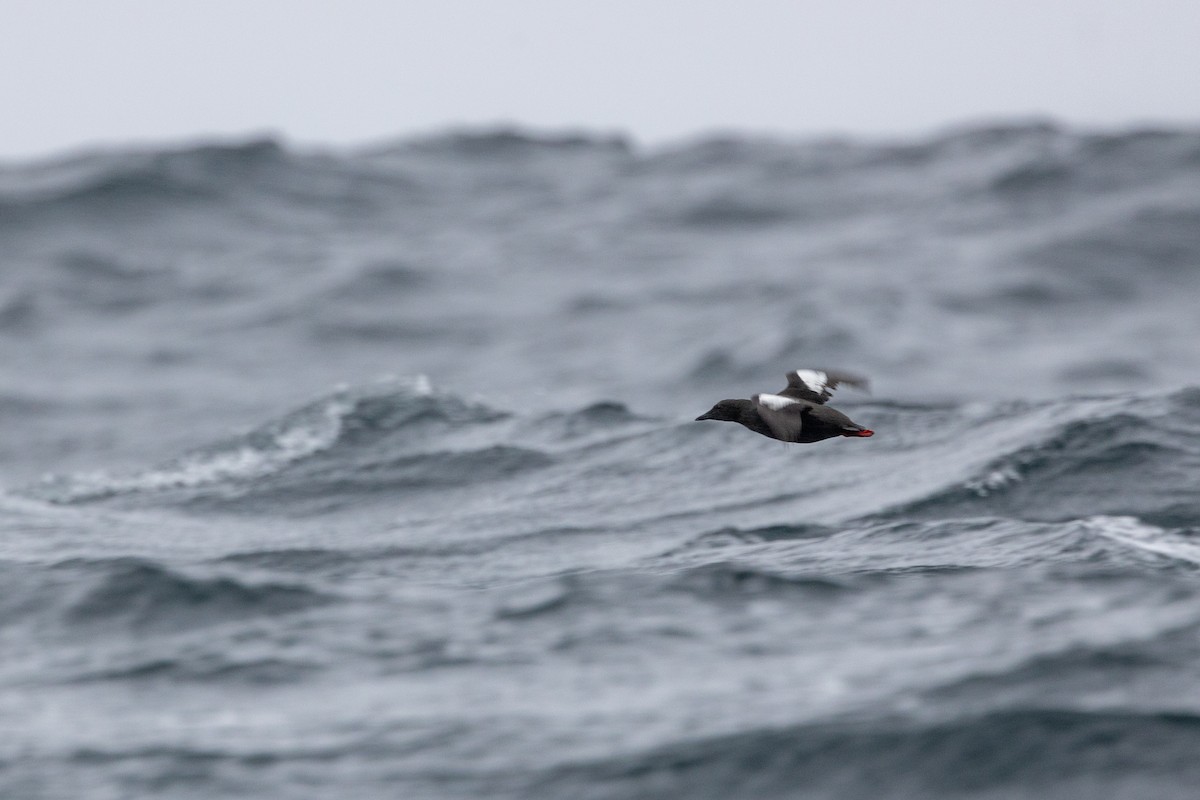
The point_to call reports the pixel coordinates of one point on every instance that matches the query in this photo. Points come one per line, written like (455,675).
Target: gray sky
(83,72)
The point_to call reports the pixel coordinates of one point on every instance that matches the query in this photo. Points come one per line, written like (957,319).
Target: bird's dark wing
(783,415)
(817,385)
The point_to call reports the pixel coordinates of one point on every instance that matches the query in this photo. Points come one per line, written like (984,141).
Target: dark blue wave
(149,181)
(205,669)
(1034,160)
(113,188)
(338,452)
(733,580)
(327,482)
(146,595)
(1051,753)
(1132,462)
(501,143)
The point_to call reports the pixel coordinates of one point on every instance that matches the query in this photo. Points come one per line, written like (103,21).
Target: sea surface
(372,473)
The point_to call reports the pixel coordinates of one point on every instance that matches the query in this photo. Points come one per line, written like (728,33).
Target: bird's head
(726,411)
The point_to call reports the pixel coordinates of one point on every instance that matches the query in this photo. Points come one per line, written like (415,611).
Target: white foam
(292,443)
(994,481)
(1139,535)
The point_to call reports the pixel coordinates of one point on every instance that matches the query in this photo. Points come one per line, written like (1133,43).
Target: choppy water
(373,474)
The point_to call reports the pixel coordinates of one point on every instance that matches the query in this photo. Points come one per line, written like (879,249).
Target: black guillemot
(797,413)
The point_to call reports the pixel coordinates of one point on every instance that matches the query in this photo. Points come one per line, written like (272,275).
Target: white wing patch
(775,402)
(814,379)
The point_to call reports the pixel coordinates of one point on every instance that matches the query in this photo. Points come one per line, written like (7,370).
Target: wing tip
(824,381)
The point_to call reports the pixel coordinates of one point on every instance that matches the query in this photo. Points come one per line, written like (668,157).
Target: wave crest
(352,433)
(1086,467)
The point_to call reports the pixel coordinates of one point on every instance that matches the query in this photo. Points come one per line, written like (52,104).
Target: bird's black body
(798,413)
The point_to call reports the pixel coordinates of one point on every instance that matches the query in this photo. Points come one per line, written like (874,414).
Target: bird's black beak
(704,416)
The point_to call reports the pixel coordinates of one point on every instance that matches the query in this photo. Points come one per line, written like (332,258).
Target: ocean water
(373,473)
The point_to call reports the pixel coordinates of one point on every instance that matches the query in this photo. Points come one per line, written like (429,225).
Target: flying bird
(797,413)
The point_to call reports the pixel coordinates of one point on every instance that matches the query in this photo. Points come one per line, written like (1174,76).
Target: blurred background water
(372,472)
